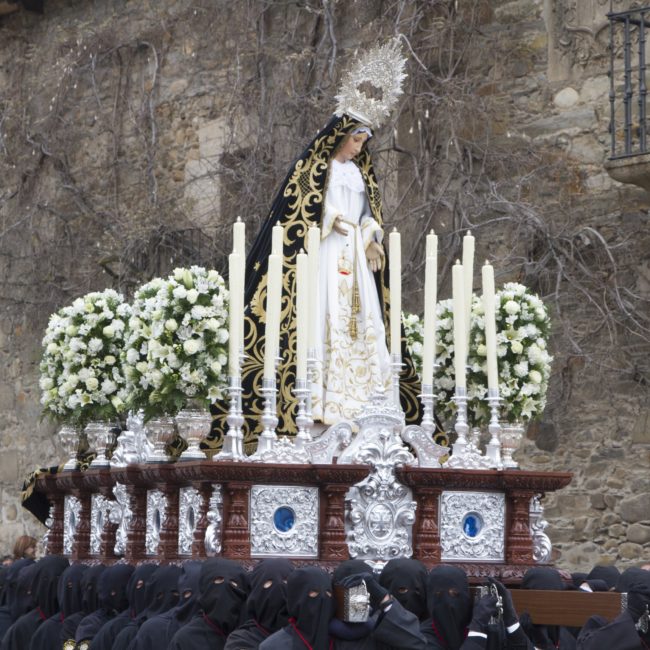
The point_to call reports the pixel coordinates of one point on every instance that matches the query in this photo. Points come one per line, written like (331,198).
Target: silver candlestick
(461,427)
(493,449)
(396,368)
(428,400)
(233,448)
(304,422)
(311,379)
(269,419)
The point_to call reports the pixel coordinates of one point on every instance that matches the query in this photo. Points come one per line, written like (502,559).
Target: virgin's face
(351,147)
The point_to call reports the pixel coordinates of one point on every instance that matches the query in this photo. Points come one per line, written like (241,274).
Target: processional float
(371,488)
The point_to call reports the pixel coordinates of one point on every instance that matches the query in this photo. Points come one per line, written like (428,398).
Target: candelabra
(493,449)
(303,419)
(428,405)
(396,369)
(461,425)
(269,418)
(233,444)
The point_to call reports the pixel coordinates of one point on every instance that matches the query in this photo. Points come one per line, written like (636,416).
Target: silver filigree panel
(284,521)
(120,513)
(189,507)
(156,512)
(71,515)
(212,540)
(99,509)
(472,526)
(542,546)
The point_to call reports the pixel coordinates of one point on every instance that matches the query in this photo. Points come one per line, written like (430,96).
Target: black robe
(395,629)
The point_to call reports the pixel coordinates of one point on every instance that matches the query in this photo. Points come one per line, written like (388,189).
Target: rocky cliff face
(133,133)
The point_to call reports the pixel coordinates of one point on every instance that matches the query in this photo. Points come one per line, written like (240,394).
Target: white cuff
(481,634)
(513,628)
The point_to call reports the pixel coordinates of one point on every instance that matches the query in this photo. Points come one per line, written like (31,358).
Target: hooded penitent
(156,633)
(310,606)
(450,606)
(610,574)
(111,591)
(267,602)
(406,580)
(49,635)
(161,594)
(298,205)
(545,636)
(89,602)
(135,591)
(223,587)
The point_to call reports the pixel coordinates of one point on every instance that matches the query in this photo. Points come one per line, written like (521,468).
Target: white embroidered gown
(350,368)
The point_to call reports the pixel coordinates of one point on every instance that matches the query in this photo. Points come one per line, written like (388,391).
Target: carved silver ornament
(71,517)
(284,521)
(99,508)
(282,451)
(156,513)
(189,507)
(212,540)
(49,522)
(121,513)
(542,546)
(472,526)
(330,443)
(380,510)
(132,444)
(427,452)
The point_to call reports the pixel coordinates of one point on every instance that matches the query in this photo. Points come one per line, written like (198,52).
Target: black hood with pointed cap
(406,580)
(136,590)
(23,599)
(224,588)
(69,590)
(310,606)
(450,604)
(45,583)
(267,601)
(112,588)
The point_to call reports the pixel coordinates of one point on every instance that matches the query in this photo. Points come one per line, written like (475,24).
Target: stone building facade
(132,133)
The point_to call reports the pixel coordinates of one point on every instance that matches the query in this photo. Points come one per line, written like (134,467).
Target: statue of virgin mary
(332,185)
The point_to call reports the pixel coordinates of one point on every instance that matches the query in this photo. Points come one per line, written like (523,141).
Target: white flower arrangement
(414,333)
(177,342)
(81,376)
(523,329)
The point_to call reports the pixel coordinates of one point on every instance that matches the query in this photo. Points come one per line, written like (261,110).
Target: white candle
(302,316)
(395,253)
(313,253)
(460,339)
(490,326)
(430,299)
(239,247)
(273,304)
(468,270)
(277,240)
(236,313)
(239,237)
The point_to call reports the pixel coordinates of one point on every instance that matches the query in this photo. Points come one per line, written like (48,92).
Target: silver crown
(379,72)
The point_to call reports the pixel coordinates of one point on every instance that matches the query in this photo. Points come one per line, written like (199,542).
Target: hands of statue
(375,256)
(339,227)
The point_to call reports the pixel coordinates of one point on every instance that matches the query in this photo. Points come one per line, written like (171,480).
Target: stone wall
(121,120)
